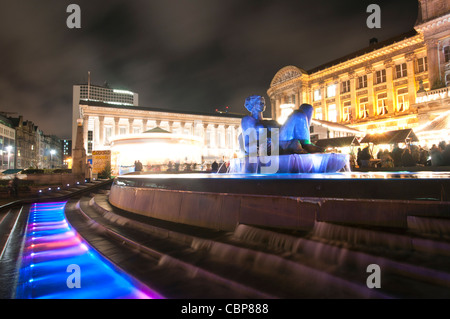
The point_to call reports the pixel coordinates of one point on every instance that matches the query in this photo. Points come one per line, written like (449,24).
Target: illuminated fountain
(269,148)
(154,148)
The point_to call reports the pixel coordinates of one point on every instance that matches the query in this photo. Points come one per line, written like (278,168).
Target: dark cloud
(195,55)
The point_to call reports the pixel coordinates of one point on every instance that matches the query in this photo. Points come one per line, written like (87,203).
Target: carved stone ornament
(286,74)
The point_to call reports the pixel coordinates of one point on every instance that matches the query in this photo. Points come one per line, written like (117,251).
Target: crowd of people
(409,156)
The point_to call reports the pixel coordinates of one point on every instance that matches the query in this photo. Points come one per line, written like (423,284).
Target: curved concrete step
(435,226)
(333,263)
(256,268)
(425,275)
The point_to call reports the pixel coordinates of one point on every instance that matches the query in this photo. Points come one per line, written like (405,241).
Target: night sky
(190,55)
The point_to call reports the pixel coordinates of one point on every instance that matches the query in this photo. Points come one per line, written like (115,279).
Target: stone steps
(221,260)
(283,265)
(430,275)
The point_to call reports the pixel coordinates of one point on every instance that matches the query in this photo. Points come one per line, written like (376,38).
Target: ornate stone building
(7,143)
(395,84)
(105,122)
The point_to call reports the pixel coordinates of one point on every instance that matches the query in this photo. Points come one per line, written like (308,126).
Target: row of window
(108,97)
(380,77)
(402,104)
(7,132)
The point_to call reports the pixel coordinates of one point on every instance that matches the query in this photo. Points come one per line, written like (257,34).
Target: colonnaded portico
(105,122)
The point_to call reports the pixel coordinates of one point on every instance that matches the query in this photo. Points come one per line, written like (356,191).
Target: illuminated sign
(432,97)
(123,92)
(99,160)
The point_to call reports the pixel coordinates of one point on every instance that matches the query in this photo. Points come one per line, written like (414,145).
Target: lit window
(382,104)
(347,111)
(332,113)
(402,100)
(422,64)
(108,133)
(362,82)
(346,86)
(447,54)
(400,70)
(319,113)
(380,76)
(331,90)
(363,107)
(317,95)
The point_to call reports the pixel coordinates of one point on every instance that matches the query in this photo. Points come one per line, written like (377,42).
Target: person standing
(88,172)
(214,167)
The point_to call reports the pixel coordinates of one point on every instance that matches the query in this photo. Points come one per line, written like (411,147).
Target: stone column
(233,138)
(353,102)
(411,79)
(277,107)
(116,126)
(205,132)
(130,126)
(226,139)
(216,135)
(144,125)
(101,130)
(371,109)
(182,127)
(433,60)
(85,130)
(389,87)
(272,108)
(300,97)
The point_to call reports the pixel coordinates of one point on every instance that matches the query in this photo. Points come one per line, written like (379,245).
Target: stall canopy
(336,127)
(391,137)
(12,171)
(442,122)
(338,142)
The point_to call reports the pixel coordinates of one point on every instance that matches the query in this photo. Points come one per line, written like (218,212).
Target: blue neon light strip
(51,246)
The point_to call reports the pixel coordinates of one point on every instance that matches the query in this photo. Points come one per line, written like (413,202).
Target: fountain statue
(269,147)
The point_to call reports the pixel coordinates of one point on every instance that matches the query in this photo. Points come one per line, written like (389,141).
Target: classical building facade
(97,93)
(395,84)
(106,121)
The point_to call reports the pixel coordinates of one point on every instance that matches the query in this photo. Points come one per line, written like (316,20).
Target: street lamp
(8,149)
(52,152)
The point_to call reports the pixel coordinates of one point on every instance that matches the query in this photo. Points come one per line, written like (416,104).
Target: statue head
(255,103)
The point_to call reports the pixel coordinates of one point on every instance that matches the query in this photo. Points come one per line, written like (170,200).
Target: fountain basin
(292,201)
(293,163)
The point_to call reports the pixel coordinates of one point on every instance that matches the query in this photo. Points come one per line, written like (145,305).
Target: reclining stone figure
(293,135)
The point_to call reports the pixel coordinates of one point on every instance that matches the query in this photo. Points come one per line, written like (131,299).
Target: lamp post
(8,149)
(52,152)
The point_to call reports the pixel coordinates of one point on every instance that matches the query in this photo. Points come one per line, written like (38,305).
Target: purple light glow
(51,246)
